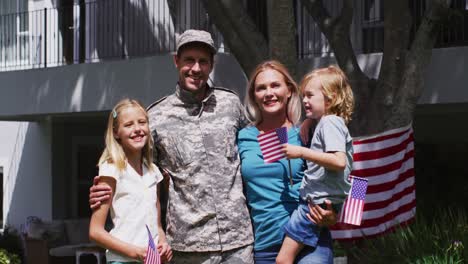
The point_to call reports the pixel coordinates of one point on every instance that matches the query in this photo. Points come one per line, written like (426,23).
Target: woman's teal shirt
(270,197)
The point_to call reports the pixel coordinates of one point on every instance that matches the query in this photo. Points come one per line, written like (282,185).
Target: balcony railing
(121,29)
(97,31)
(367,30)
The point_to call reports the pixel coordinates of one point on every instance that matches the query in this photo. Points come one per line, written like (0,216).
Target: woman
(273,101)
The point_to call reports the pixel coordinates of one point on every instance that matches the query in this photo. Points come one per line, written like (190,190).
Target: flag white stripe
(385,196)
(273,153)
(391,175)
(372,214)
(267,135)
(276,148)
(385,133)
(268,142)
(274,157)
(373,163)
(374,146)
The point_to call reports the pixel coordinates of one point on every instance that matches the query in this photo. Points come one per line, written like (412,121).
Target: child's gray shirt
(319,183)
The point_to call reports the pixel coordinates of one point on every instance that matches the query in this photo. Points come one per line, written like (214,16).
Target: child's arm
(98,234)
(163,247)
(331,160)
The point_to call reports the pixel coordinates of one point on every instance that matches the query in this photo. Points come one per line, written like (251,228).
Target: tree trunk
(282,34)
(245,41)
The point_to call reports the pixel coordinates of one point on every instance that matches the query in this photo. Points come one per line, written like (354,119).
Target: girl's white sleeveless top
(133,206)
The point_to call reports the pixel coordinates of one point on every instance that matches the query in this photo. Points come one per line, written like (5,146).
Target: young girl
(327,99)
(126,165)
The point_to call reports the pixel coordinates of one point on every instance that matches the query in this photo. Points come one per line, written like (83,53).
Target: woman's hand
(320,216)
(98,193)
(165,251)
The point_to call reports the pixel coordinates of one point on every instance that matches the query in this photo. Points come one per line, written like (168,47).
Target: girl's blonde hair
(294,102)
(336,90)
(113,152)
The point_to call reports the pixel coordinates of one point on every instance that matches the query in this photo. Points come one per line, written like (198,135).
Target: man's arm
(98,193)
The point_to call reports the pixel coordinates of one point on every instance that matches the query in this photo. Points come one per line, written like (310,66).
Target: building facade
(65,63)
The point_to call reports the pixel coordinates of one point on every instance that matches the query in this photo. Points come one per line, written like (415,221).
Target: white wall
(98,86)
(26,157)
(446,79)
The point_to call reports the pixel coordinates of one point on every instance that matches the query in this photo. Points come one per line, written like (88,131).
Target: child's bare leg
(288,251)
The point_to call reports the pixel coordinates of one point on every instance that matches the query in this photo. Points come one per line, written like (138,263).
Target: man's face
(194,64)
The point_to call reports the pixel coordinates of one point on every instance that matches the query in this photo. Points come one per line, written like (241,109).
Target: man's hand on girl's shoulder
(98,193)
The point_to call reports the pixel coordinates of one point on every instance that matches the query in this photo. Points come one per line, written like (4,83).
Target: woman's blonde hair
(293,111)
(113,152)
(336,90)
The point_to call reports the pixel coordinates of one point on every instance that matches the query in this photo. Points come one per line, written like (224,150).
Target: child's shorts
(300,228)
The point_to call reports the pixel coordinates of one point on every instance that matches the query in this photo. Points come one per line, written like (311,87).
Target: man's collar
(190,98)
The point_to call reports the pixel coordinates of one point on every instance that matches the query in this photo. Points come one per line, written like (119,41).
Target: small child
(327,99)
(126,165)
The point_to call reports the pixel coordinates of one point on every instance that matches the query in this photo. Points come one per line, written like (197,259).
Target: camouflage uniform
(196,143)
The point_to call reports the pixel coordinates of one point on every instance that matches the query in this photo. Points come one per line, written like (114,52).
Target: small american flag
(270,144)
(353,207)
(152,254)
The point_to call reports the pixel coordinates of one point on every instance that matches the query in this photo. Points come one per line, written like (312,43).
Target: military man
(195,143)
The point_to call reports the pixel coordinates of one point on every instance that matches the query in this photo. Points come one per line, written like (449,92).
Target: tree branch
(420,53)
(239,32)
(417,61)
(337,31)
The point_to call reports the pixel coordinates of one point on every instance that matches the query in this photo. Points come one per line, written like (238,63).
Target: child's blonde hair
(336,90)
(113,153)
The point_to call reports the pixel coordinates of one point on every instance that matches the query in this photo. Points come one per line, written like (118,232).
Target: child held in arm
(328,100)
(126,165)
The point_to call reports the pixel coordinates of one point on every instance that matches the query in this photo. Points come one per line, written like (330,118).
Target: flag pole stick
(290,173)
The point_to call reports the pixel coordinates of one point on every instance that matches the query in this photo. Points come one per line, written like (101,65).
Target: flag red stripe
(387,217)
(369,155)
(391,229)
(385,203)
(267,143)
(391,184)
(369,172)
(379,139)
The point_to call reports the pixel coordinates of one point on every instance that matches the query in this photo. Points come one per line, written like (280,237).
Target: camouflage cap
(193,35)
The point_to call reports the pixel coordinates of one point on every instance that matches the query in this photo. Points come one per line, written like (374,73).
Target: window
(372,26)
(373,11)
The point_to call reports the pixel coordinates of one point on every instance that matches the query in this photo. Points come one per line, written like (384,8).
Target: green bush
(8,258)
(441,239)
(11,246)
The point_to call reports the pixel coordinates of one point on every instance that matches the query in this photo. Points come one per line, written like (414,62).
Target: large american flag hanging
(386,161)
